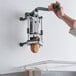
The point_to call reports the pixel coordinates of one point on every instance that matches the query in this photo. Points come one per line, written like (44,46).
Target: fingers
(58,3)
(51,6)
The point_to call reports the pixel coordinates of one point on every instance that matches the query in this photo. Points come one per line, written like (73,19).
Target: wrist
(67,19)
(62,17)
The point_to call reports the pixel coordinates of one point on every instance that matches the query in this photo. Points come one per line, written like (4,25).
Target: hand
(59,13)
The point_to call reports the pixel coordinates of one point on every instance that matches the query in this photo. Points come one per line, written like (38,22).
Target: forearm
(68,20)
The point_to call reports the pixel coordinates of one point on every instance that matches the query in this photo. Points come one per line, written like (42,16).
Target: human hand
(59,12)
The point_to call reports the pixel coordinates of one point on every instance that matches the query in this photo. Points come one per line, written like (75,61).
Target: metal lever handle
(41,8)
(56,7)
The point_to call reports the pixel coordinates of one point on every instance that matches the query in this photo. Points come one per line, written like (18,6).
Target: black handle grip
(56,7)
(22,19)
(22,44)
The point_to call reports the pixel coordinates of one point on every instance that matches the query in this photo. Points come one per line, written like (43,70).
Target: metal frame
(32,14)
